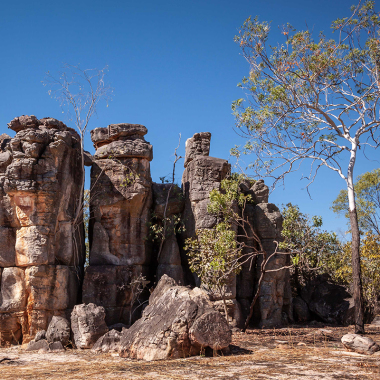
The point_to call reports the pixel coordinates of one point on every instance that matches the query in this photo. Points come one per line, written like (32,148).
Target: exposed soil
(290,353)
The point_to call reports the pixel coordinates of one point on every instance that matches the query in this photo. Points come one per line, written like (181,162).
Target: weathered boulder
(56,347)
(329,301)
(88,324)
(178,322)
(376,321)
(58,331)
(109,342)
(360,344)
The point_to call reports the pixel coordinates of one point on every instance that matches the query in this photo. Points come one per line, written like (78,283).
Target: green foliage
(367,192)
(213,255)
(222,201)
(312,250)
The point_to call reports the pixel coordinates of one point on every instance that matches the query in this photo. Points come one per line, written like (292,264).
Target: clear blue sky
(172,63)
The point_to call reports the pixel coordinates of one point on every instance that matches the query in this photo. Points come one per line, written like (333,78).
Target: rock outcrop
(178,322)
(42,236)
(109,342)
(121,198)
(41,243)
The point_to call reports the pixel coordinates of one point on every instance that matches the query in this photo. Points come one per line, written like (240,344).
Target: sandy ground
(291,353)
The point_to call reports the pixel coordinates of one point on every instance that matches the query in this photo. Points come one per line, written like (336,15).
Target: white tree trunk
(355,245)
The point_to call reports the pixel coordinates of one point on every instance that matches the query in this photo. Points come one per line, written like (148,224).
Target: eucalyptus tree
(313,99)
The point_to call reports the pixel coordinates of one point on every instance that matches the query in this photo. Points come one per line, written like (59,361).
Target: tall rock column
(202,175)
(41,250)
(275,294)
(121,198)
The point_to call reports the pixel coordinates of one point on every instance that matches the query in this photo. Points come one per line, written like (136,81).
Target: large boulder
(88,324)
(178,322)
(360,344)
(329,301)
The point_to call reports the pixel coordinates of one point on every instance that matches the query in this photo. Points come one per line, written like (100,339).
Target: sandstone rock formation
(41,248)
(203,174)
(58,331)
(121,198)
(177,323)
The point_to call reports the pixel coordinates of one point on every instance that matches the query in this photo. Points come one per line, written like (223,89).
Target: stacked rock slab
(41,248)
(121,198)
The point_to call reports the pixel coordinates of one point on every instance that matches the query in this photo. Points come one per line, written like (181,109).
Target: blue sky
(173,66)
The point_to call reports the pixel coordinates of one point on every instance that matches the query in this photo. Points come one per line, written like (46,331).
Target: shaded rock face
(121,198)
(329,301)
(275,299)
(177,323)
(168,204)
(40,183)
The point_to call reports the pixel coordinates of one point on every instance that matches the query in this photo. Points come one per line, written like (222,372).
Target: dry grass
(296,353)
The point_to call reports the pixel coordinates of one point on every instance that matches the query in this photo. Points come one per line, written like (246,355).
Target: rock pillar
(41,246)
(121,198)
